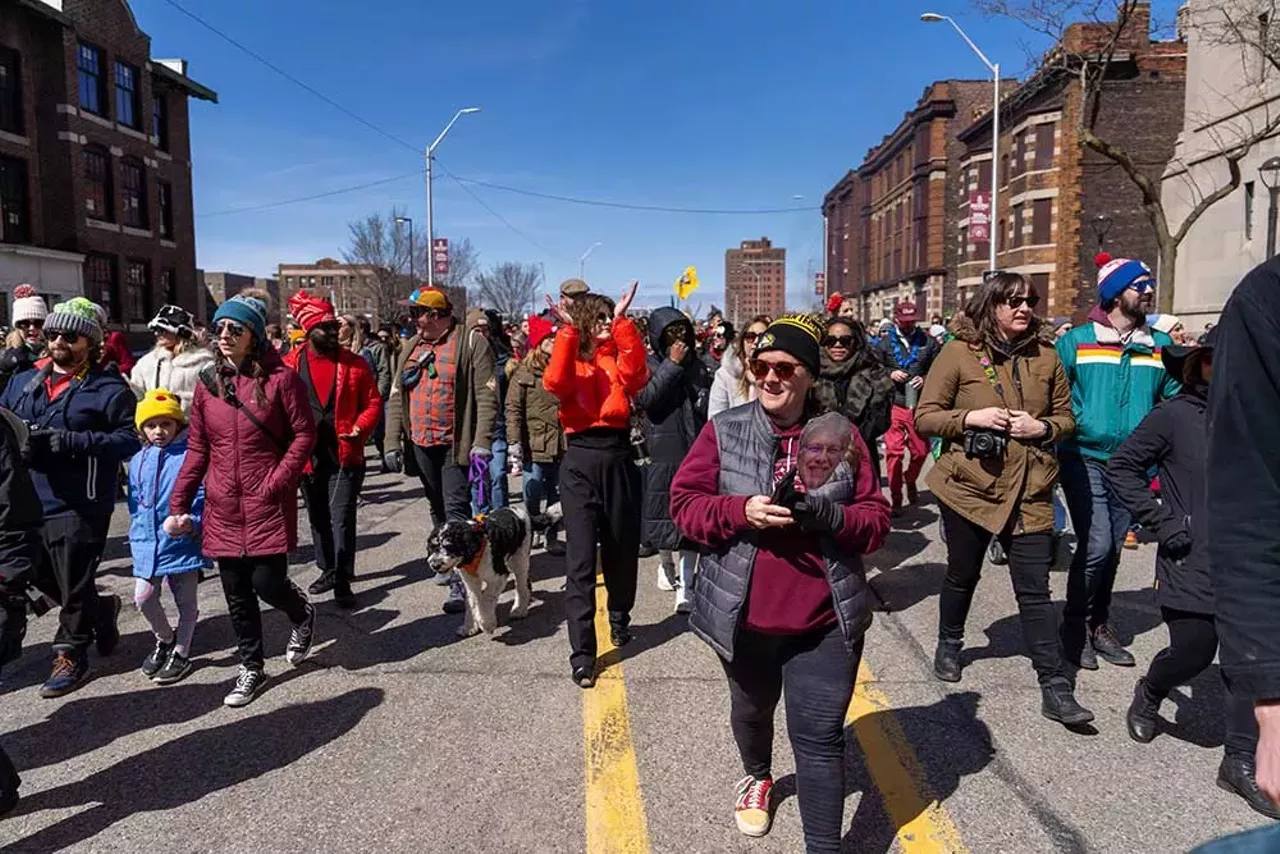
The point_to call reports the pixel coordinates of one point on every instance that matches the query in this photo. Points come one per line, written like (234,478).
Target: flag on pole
(687,283)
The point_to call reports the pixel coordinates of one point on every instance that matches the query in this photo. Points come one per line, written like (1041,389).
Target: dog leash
(478,477)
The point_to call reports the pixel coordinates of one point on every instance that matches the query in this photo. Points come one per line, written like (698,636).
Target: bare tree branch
(509,287)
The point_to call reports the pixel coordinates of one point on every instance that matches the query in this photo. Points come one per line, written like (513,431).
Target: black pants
(330,497)
(448,492)
(600,497)
(71,549)
(818,673)
(9,779)
(1193,642)
(244,581)
(1030,556)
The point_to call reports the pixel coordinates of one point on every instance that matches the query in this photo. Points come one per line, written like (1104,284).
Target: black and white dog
(486,552)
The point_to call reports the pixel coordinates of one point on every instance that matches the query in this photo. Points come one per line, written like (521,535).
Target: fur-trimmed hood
(964,329)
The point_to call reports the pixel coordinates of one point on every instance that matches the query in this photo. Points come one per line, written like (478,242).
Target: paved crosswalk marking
(924,826)
(615,810)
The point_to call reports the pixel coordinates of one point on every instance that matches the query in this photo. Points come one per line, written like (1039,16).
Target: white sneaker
(684,600)
(667,580)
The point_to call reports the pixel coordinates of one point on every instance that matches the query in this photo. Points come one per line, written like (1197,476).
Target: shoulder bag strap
(207,379)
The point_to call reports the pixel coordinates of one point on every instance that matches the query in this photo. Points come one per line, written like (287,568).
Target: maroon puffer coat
(250,486)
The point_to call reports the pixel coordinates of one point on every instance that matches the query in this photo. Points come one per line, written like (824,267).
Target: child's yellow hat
(159,403)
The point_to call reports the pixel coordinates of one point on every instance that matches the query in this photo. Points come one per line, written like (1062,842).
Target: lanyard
(896,342)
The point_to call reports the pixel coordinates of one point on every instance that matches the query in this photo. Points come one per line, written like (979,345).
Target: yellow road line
(924,826)
(615,810)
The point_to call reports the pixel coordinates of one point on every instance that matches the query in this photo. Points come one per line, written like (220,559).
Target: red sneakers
(753,812)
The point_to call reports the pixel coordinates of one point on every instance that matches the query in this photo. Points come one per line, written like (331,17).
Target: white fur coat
(180,374)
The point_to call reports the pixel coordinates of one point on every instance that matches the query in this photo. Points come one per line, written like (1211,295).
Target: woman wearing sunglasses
(250,436)
(25,344)
(998,397)
(781,594)
(855,383)
(732,386)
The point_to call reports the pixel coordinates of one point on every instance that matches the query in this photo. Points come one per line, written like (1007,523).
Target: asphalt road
(398,736)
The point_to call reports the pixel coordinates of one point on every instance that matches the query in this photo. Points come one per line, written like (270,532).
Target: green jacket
(1114,383)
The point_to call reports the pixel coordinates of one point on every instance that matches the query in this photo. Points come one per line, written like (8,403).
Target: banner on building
(440,256)
(820,284)
(979,217)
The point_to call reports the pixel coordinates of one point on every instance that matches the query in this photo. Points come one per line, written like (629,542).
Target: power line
(632,207)
(499,216)
(313,197)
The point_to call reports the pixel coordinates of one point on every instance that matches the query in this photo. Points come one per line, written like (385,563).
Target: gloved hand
(1176,544)
(393,461)
(13,620)
(45,444)
(818,515)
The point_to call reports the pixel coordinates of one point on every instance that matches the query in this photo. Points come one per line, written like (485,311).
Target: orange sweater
(597,393)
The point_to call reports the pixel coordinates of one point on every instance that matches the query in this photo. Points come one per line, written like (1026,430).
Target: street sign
(979,217)
(820,284)
(440,256)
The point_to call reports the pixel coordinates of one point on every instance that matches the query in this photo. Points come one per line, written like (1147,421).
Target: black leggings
(818,673)
(1193,642)
(244,580)
(1030,556)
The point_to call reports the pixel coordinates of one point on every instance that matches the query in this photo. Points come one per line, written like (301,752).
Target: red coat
(250,487)
(597,393)
(358,404)
(116,349)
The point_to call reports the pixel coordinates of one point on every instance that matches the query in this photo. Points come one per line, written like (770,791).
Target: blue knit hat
(248,311)
(1119,274)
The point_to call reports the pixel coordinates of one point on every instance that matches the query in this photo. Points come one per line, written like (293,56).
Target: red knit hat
(539,329)
(310,311)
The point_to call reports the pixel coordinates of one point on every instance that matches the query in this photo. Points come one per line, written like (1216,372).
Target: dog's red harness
(473,566)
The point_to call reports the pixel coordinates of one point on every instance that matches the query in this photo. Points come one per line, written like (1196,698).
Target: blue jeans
(1260,841)
(495,490)
(1059,512)
(541,486)
(1100,521)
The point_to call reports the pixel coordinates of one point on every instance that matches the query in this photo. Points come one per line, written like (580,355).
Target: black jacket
(13,361)
(1243,476)
(674,405)
(1171,438)
(925,350)
(20,516)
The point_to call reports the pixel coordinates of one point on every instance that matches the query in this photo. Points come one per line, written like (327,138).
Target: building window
(164,200)
(167,284)
(14,218)
(128,107)
(1017,226)
(1000,237)
(133,192)
(101,284)
(1019,154)
(1248,210)
(1044,146)
(10,91)
(984,177)
(964,244)
(97,176)
(93,88)
(160,121)
(1004,169)
(1042,222)
(137,291)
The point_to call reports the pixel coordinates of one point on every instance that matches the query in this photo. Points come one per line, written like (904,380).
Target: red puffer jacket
(358,405)
(250,484)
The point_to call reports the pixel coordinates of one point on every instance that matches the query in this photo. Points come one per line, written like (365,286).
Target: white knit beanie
(28,305)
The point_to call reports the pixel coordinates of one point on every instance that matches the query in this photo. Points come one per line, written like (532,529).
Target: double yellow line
(616,821)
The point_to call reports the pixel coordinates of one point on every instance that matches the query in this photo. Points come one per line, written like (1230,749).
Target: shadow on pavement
(306,554)
(645,638)
(164,777)
(1133,613)
(900,589)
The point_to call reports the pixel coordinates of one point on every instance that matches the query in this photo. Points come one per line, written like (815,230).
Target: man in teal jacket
(1113,364)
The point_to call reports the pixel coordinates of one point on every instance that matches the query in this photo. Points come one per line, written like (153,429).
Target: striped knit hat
(79,315)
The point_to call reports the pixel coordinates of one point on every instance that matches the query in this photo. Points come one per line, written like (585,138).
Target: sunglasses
(416,311)
(230,327)
(782,370)
(845,341)
(1030,300)
(29,324)
(750,336)
(71,338)
(1142,287)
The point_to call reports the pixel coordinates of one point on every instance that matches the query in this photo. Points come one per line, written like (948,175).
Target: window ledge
(164,155)
(128,131)
(168,244)
(14,138)
(97,119)
(102,224)
(136,232)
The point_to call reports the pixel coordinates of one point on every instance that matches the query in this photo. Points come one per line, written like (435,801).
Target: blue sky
(696,104)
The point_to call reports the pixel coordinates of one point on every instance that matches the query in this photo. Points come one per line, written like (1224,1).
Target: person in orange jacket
(598,365)
(347,408)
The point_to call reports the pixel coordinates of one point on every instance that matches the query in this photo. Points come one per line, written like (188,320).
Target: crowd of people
(749,461)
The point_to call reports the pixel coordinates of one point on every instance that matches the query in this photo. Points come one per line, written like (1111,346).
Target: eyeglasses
(29,324)
(1031,301)
(782,370)
(417,311)
(229,327)
(71,338)
(748,337)
(824,450)
(845,341)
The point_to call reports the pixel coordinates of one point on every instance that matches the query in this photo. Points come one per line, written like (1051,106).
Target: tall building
(95,161)
(755,280)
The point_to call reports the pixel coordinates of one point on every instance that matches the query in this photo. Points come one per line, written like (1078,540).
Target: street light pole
(430,155)
(1269,171)
(994,67)
(403,219)
(582,262)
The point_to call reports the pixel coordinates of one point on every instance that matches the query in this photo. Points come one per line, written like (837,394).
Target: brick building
(1060,202)
(888,222)
(755,280)
(349,286)
(219,286)
(95,160)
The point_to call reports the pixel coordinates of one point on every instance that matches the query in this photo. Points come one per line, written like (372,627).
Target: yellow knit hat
(159,403)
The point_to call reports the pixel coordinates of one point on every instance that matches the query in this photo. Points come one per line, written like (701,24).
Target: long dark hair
(584,311)
(981,308)
(861,347)
(740,351)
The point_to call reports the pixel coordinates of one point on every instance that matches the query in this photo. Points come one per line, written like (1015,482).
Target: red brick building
(755,280)
(95,159)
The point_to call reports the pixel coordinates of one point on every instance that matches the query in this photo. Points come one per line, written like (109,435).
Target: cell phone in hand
(784,488)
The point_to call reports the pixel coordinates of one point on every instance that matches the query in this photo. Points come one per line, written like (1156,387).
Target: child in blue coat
(164,548)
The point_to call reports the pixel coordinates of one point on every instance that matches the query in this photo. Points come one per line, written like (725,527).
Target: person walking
(346,407)
(176,361)
(533,426)
(441,411)
(1113,365)
(908,352)
(998,398)
(81,417)
(782,596)
(27,345)
(162,555)
(493,481)
(250,436)
(853,381)
(596,369)
(674,406)
(731,384)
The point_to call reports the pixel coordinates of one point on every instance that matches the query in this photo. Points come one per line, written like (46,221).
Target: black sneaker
(1106,645)
(175,669)
(946,661)
(1237,774)
(620,635)
(1059,704)
(1143,717)
(107,632)
(584,677)
(322,585)
(301,638)
(70,671)
(151,666)
(249,683)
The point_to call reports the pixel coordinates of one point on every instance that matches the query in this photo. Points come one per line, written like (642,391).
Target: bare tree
(381,245)
(1092,37)
(509,287)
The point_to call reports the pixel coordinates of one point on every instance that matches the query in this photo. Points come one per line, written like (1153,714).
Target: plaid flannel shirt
(431,401)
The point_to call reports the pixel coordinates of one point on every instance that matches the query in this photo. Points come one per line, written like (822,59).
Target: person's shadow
(900,589)
(242,749)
